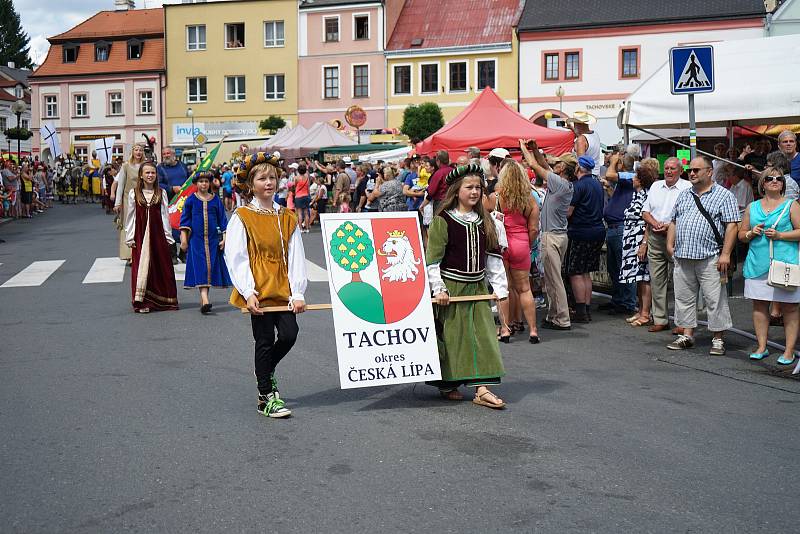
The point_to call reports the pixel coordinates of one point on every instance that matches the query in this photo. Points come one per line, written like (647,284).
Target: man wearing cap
(587,142)
(553,227)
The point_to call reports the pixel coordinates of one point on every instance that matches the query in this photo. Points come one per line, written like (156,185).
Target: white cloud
(45,18)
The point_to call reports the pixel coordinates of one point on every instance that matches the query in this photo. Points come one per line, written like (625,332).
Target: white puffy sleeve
(496,275)
(237,258)
(165,219)
(298,279)
(130,218)
(120,179)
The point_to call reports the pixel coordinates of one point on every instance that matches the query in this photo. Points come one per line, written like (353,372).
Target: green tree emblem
(352,250)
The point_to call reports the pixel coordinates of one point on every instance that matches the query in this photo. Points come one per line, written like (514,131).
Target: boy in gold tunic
(267,265)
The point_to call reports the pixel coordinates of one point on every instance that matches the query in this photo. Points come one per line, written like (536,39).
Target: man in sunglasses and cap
(587,141)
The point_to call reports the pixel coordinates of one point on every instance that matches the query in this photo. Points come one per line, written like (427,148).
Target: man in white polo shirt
(657,213)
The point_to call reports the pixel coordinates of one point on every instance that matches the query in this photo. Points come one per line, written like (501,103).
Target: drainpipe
(385,69)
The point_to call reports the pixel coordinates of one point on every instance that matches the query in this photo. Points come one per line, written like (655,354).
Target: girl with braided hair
(463,254)
(267,266)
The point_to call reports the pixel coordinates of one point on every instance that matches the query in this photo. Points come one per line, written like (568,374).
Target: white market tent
(280,134)
(390,156)
(757,81)
(295,135)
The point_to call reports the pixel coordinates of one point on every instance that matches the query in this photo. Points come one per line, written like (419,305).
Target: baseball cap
(501,153)
(586,162)
(568,158)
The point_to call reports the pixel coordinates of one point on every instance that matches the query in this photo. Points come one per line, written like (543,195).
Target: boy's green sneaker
(271,405)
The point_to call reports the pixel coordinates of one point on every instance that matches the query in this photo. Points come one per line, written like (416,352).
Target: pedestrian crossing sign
(691,69)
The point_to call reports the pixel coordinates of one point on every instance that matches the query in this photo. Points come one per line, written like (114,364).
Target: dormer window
(101,50)
(135,48)
(19,91)
(70,53)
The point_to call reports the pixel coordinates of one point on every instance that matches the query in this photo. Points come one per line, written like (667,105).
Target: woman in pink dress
(521,221)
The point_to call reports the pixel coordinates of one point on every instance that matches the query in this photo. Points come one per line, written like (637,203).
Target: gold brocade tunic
(268,249)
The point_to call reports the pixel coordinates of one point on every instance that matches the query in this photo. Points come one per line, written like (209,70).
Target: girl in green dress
(462,255)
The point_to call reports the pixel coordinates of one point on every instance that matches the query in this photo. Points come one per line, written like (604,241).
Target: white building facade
(594,69)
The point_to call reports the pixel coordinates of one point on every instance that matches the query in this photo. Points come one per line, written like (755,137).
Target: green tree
(272,124)
(14,43)
(352,249)
(421,121)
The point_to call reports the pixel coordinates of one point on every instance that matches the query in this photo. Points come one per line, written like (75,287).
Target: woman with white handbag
(771,226)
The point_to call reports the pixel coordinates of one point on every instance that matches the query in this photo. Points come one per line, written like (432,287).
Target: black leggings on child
(270,351)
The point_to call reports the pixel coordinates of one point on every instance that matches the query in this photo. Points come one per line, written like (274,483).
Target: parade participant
(462,255)
(124,182)
(147,233)
(203,225)
(700,238)
(109,172)
(771,226)
(95,181)
(553,228)
(266,261)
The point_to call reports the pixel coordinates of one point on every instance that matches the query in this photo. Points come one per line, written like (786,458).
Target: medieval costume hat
(463,170)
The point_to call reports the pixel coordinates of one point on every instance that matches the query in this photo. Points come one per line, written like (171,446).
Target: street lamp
(190,114)
(560,95)
(18,108)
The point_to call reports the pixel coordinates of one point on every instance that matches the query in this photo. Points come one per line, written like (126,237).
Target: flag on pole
(50,136)
(104,148)
(176,204)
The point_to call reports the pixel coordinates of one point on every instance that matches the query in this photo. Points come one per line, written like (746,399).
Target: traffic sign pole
(692,128)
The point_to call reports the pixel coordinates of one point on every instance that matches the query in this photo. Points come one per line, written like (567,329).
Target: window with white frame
(196,89)
(117,151)
(82,153)
(115,103)
(145,102)
(630,62)
(273,34)
(429,78)
(70,53)
(551,66)
(3,124)
(331,75)
(196,37)
(80,104)
(234,89)
(360,81)
(457,76)
(487,74)
(402,79)
(25,124)
(101,50)
(331,29)
(274,87)
(361,27)
(135,47)
(572,65)
(50,107)
(234,35)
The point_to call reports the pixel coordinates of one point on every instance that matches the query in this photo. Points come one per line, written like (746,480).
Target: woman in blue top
(777,219)
(203,225)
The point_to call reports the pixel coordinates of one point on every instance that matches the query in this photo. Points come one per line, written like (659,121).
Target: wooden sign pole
(314,307)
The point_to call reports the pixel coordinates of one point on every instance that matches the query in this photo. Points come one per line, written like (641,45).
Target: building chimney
(12,65)
(124,5)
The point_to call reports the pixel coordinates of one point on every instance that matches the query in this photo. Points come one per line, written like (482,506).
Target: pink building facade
(341,61)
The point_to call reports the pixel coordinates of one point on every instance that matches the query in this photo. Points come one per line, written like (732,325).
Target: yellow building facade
(451,78)
(230,64)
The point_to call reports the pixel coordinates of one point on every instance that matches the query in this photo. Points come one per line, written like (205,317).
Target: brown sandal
(480,400)
(642,321)
(452,395)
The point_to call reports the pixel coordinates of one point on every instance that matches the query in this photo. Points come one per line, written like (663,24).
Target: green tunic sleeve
(437,240)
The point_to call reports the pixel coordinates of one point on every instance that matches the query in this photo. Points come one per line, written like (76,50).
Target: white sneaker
(717,347)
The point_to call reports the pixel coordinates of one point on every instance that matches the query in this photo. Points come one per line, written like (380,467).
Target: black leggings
(269,351)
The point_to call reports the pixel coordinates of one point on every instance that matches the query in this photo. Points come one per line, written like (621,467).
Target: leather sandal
(642,321)
(481,400)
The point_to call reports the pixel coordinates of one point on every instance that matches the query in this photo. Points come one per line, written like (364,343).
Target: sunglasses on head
(774,179)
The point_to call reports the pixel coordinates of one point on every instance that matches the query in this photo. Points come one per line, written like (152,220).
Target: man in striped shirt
(702,255)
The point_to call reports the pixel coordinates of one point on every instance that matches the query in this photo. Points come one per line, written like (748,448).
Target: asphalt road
(113,421)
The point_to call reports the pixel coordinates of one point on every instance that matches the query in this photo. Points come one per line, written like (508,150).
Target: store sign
(94,137)
(182,132)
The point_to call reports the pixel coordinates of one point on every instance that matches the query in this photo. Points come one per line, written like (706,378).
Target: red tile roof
(446,23)
(152,60)
(110,24)
(4,96)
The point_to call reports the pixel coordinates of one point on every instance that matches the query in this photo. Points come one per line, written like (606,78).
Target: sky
(44,18)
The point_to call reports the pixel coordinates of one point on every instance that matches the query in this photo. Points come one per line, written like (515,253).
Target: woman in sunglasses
(773,220)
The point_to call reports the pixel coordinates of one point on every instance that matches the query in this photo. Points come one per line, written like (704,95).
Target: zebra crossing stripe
(34,274)
(105,271)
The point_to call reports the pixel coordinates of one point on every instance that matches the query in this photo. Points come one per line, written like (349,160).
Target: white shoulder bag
(781,274)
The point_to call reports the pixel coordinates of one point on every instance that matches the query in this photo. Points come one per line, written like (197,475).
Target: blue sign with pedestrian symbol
(691,69)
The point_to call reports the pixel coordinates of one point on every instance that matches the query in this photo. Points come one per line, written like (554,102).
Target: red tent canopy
(487,123)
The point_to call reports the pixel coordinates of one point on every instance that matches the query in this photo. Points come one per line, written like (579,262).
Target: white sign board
(382,312)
